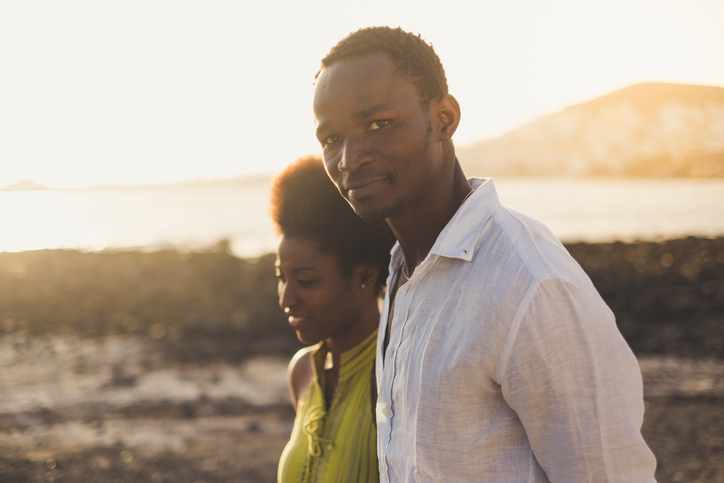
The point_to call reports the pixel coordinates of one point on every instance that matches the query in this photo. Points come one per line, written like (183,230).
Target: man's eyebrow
(321,128)
(370,111)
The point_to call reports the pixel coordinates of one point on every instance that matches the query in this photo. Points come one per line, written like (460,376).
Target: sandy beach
(170,367)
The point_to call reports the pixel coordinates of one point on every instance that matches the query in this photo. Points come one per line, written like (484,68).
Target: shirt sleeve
(576,387)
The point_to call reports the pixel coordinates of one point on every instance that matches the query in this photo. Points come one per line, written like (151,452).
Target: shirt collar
(458,238)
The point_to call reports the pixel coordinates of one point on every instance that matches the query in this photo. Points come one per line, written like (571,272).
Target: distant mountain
(260,179)
(24,185)
(240,181)
(650,129)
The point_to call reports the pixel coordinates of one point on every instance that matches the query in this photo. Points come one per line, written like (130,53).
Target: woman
(331,268)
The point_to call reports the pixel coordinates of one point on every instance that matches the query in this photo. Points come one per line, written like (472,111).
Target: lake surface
(195,218)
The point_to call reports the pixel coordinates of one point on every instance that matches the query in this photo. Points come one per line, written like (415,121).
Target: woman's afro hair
(305,204)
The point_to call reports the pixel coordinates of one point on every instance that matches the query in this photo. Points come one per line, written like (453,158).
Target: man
(497,359)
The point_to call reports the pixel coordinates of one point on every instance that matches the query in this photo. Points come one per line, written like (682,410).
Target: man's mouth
(363,188)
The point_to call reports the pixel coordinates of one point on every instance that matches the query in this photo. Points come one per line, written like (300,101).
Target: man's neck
(418,227)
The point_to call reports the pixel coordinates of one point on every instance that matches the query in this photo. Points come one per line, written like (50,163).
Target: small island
(24,185)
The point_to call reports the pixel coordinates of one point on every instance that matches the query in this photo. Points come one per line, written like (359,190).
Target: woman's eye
(378,125)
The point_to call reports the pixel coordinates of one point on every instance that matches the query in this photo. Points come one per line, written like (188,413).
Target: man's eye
(304,283)
(378,125)
(330,140)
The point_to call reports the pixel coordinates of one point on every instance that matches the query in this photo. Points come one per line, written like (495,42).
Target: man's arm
(576,386)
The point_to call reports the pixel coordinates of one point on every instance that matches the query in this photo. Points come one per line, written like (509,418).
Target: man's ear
(448,116)
(366,275)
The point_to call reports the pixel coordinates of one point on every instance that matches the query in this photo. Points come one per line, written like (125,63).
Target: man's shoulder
(525,244)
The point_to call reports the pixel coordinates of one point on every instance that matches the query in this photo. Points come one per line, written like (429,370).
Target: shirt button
(383,476)
(385,411)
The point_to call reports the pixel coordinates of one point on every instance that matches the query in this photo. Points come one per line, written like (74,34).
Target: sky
(154,91)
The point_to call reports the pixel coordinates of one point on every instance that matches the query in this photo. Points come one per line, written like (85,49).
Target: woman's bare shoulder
(300,373)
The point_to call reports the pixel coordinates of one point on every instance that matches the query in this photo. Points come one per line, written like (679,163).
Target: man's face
(378,140)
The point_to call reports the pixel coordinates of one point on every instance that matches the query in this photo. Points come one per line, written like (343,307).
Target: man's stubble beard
(379,214)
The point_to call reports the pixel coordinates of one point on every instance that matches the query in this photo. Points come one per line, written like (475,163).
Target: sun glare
(32,220)
(204,91)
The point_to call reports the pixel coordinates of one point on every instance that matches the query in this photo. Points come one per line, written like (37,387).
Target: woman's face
(320,301)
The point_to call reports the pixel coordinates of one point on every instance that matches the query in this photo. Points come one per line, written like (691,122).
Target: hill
(648,129)
(24,185)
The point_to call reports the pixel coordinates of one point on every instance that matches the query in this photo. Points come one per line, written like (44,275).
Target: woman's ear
(366,276)
(448,116)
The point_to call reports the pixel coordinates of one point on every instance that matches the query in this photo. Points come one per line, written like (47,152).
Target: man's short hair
(306,204)
(414,58)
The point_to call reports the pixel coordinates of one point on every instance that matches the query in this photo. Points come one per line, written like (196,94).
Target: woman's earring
(364,285)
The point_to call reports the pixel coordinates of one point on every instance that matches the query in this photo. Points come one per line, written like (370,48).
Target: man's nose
(355,153)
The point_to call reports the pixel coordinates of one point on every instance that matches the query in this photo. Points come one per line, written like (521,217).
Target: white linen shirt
(504,364)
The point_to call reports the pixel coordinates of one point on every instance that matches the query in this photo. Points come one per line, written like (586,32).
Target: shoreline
(171,366)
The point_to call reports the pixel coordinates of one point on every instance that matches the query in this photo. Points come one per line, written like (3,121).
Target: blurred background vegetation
(668,297)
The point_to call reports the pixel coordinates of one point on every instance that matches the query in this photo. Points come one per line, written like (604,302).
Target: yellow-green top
(339,444)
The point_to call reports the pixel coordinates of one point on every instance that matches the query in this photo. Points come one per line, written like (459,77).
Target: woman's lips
(297,322)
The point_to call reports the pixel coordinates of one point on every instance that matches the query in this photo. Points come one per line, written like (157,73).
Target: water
(150,218)
(195,218)
(619,209)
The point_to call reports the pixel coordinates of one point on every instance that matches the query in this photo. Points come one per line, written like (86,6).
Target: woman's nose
(286,297)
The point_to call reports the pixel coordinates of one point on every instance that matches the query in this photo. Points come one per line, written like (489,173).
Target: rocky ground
(167,367)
